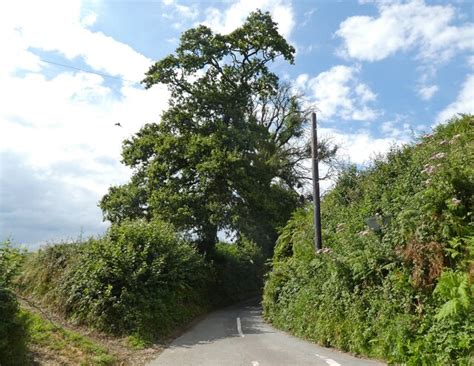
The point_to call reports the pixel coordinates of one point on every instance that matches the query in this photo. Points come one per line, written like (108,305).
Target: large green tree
(225,155)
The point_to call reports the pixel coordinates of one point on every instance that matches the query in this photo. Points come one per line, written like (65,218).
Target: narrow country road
(239,336)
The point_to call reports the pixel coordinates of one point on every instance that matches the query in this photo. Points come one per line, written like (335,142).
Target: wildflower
(429,169)
(363,233)
(444,142)
(427,182)
(454,138)
(456,201)
(324,251)
(340,227)
(439,155)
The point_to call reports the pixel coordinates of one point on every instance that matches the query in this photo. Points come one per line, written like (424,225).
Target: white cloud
(426,92)
(38,207)
(89,19)
(230,19)
(365,94)
(71,119)
(402,26)
(400,128)
(61,123)
(307,17)
(183,11)
(464,102)
(470,61)
(64,31)
(187,11)
(338,93)
(360,147)
(301,81)
(179,14)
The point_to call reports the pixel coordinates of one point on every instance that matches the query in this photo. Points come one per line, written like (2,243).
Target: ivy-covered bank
(397,282)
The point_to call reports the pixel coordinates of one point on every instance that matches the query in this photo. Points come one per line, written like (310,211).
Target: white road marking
(239,328)
(255,363)
(329,361)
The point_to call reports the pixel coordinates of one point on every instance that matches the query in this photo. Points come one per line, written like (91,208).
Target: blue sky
(380,72)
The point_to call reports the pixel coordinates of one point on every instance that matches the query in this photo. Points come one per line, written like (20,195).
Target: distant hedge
(238,271)
(397,282)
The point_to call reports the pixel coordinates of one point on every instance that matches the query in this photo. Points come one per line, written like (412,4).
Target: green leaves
(399,290)
(141,279)
(239,270)
(12,328)
(11,259)
(455,290)
(124,282)
(217,160)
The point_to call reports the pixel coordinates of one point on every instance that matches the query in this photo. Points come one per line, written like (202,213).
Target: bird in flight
(118,124)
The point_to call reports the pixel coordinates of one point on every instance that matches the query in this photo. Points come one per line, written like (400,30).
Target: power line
(88,71)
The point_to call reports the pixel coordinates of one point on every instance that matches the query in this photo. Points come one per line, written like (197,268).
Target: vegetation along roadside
(226,160)
(397,280)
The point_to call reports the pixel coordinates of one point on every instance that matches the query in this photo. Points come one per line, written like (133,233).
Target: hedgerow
(141,279)
(12,326)
(397,283)
(238,271)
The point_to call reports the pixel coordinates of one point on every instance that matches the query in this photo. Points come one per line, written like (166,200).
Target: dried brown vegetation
(426,261)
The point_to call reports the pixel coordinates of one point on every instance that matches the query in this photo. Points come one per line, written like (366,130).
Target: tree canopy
(226,154)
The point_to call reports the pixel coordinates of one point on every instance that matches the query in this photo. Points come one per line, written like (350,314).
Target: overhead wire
(88,71)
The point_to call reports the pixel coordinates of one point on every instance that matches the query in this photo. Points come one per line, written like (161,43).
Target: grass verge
(53,344)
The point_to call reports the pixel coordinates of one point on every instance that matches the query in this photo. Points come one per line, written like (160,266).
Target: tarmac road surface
(238,335)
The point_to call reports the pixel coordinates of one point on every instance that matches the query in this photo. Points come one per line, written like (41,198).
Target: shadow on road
(221,325)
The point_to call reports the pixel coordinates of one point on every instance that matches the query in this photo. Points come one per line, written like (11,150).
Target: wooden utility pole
(316,198)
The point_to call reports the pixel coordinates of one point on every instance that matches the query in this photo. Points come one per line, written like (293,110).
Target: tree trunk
(208,240)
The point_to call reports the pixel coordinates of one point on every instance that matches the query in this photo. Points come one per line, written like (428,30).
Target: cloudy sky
(380,72)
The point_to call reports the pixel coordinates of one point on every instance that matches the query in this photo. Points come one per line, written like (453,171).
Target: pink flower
(429,169)
(324,251)
(439,155)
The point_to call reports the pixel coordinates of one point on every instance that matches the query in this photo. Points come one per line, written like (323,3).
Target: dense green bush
(398,281)
(140,279)
(12,327)
(238,270)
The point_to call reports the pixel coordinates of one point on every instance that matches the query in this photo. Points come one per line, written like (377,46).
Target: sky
(380,72)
